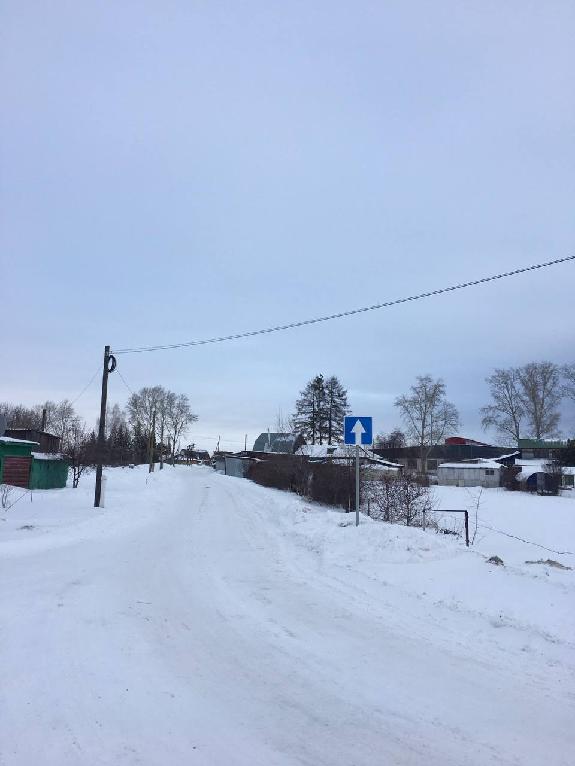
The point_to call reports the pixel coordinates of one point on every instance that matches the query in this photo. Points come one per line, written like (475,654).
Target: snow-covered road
(204,620)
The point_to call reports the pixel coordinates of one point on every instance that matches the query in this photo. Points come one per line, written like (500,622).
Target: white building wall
(468,477)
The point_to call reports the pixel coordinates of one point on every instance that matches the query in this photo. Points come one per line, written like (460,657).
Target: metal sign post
(357,485)
(358,431)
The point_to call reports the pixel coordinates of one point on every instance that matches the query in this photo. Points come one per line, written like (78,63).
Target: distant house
(320,451)
(21,466)
(464,440)
(339,453)
(46,442)
(455,449)
(278,442)
(195,455)
(483,473)
(533,449)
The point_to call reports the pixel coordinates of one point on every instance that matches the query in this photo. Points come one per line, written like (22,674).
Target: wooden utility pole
(152,442)
(102,427)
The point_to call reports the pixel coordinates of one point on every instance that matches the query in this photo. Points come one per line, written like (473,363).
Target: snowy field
(201,619)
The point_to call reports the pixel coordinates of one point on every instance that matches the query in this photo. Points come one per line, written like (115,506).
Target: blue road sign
(357,430)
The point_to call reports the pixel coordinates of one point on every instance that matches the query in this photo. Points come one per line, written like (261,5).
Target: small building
(322,452)
(21,466)
(238,465)
(219,461)
(16,461)
(452,452)
(464,441)
(542,449)
(49,471)
(195,455)
(485,473)
(278,442)
(539,476)
(46,442)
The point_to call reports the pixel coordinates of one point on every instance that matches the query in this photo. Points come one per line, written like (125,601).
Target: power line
(529,542)
(123,380)
(28,491)
(86,387)
(341,314)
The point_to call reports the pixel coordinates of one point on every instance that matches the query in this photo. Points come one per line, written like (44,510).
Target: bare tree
(393,440)
(165,404)
(506,411)
(60,420)
(399,499)
(179,417)
(284,423)
(20,416)
(80,450)
(476,503)
(5,492)
(568,371)
(141,407)
(427,414)
(541,396)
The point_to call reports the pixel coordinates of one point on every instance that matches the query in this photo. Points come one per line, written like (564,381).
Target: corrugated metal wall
(48,474)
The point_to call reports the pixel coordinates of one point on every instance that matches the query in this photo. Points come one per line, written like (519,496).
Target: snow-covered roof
(277,442)
(16,441)
(533,465)
(47,456)
(511,454)
(383,466)
(317,450)
(529,467)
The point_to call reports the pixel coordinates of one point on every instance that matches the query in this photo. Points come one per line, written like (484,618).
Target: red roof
(465,440)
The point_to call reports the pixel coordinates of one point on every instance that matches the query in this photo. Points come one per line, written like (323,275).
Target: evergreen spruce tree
(310,409)
(320,410)
(336,407)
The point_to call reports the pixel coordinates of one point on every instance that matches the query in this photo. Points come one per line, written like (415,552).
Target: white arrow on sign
(358,430)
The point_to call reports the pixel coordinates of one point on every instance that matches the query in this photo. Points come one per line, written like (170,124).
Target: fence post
(466,528)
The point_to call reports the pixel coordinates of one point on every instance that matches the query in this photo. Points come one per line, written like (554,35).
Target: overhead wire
(523,540)
(123,380)
(342,314)
(86,387)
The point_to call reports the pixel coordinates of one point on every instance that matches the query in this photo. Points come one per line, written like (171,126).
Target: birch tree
(179,417)
(541,396)
(427,415)
(506,411)
(568,371)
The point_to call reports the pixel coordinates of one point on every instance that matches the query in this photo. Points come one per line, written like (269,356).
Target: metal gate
(17,471)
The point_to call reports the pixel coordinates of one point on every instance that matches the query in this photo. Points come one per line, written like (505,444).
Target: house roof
(540,444)
(16,441)
(277,442)
(482,464)
(318,450)
(47,456)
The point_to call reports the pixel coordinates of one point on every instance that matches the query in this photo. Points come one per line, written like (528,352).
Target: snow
(202,619)
(9,439)
(318,450)
(484,464)
(47,456)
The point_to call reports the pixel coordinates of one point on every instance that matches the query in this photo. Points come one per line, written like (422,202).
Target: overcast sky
(177,170)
